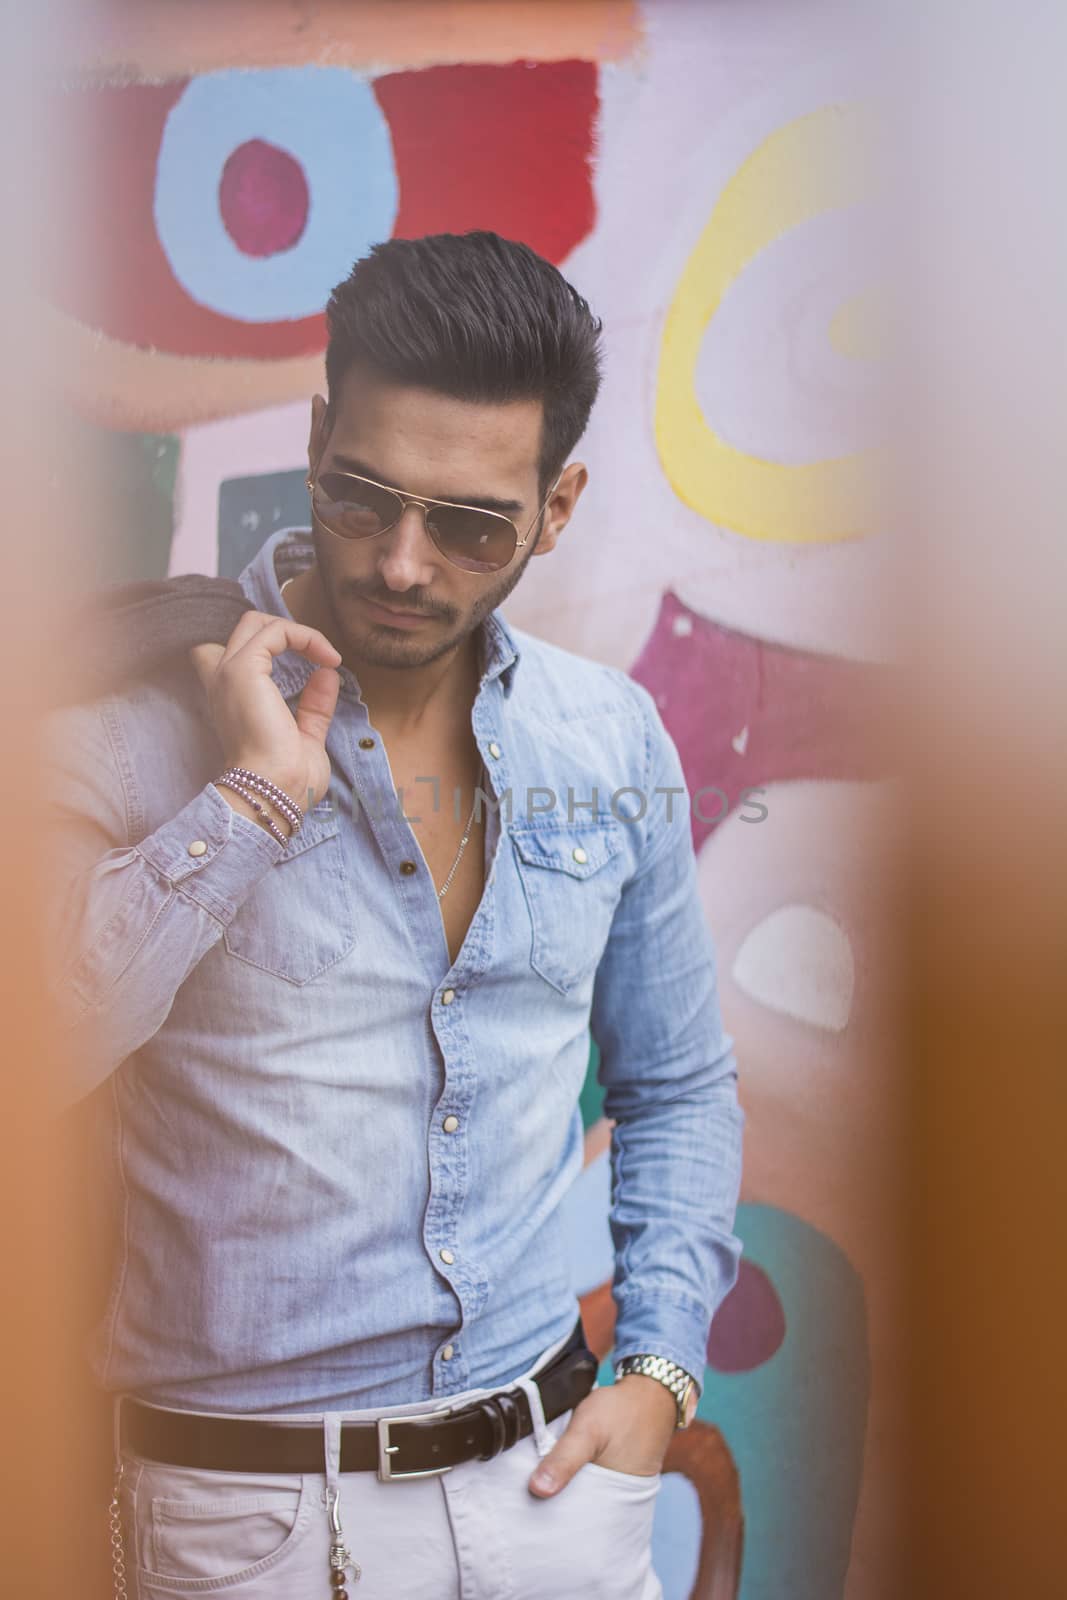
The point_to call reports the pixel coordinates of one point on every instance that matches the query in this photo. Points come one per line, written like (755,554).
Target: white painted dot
(799,961)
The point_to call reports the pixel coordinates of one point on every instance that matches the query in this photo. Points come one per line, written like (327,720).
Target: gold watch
(682,1384)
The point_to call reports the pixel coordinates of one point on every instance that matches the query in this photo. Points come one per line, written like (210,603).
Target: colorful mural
(698,172)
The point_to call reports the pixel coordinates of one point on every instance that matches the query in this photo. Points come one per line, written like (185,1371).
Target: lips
(402,619)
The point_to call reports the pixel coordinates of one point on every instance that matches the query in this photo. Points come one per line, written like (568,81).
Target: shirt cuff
(212,854)
(675,1329)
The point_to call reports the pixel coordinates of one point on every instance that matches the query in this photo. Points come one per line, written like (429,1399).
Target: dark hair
(474,316)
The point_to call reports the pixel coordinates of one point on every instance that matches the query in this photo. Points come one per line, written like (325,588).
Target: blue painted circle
(330,122)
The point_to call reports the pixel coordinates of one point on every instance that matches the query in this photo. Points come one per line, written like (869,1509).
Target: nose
(408,556)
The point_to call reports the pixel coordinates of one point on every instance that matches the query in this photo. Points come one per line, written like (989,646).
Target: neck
(403,699)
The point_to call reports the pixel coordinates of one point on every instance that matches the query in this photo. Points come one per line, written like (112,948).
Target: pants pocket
(196,1530)
(593,1538)
(646,1480)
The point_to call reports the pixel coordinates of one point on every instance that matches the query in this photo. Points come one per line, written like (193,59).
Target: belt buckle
(387,1449)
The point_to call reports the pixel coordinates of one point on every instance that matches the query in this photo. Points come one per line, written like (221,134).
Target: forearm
(127,930)
(676,1174)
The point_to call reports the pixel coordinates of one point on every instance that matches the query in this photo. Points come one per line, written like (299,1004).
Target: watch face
(691,1401)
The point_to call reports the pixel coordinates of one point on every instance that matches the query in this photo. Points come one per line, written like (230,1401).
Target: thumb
(576,1446)
(318,702)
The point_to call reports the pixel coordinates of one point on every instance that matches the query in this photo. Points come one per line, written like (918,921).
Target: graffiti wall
(700,172)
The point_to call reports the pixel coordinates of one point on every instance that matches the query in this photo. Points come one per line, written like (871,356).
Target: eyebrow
(483,502)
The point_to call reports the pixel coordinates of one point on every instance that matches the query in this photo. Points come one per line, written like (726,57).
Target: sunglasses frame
(424,502)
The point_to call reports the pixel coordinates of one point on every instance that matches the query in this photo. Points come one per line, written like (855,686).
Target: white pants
(474,1533)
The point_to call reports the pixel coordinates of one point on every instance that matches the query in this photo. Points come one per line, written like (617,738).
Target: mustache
(395,602)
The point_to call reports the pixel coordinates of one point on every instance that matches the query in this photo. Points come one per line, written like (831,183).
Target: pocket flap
(579,848)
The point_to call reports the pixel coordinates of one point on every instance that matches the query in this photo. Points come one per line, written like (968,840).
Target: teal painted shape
(591,1099)
(132,543)
(795,1424)
(161,452)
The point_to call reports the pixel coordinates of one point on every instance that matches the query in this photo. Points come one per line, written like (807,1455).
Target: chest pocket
(571,876)
(299,919)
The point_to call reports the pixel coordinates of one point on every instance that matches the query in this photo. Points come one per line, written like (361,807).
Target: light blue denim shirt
(275,1037)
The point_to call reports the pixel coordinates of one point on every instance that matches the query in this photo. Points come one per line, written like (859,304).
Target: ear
(320,433)
(561,504)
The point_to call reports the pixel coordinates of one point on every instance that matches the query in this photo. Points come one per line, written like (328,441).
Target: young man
(341,1009)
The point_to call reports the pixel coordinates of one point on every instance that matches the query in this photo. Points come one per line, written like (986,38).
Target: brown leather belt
(421,1444)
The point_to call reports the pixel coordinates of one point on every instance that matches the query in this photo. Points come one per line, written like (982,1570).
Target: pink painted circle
(263,198)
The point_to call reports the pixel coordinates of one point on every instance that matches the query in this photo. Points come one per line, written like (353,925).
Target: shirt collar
(289,551)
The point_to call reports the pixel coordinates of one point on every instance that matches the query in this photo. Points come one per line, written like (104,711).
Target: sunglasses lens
(353,508)
(474,540)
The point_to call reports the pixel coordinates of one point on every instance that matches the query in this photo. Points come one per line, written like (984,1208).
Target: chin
(381,650)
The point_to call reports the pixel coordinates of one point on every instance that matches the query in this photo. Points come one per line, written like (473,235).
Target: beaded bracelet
(270,791)
(238,787)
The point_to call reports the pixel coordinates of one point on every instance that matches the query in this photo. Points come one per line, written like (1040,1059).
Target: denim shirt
(331,1161)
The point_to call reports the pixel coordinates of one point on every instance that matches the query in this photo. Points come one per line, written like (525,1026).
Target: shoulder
(573,699)
(564,686)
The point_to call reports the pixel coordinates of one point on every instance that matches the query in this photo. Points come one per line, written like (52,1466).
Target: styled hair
(476,317)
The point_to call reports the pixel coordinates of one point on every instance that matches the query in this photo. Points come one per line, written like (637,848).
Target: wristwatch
(682,1384)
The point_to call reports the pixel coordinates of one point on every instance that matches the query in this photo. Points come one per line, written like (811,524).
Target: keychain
(118,1543)
(340,1556)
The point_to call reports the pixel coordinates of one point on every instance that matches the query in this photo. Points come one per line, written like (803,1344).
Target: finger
(578,1445)
(205,659)
(248,625)
(318,702)
(280,633)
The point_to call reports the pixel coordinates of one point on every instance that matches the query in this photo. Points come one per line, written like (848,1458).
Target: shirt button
(366,744)
(579,855)
(447,1353)
(448,997)
(447,1257)
(198,848)
(407,868)
(450,1124)
(494,750)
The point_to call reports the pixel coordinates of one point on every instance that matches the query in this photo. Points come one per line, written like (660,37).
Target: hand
(254,725)
(625,1426)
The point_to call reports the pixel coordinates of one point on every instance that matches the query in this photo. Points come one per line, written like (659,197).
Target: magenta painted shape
(749,1326)
(263,198)
(806,715)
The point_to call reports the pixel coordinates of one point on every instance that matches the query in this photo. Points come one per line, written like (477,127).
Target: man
(335,918)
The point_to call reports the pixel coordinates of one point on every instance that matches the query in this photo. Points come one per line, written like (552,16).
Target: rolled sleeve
(669,1073)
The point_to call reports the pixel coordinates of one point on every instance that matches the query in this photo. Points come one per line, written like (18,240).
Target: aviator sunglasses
(476,540)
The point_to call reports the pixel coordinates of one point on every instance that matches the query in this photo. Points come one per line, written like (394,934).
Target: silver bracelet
(246,794)
(270,791)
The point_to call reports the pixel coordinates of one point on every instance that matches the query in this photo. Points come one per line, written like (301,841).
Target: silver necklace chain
(466,835)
